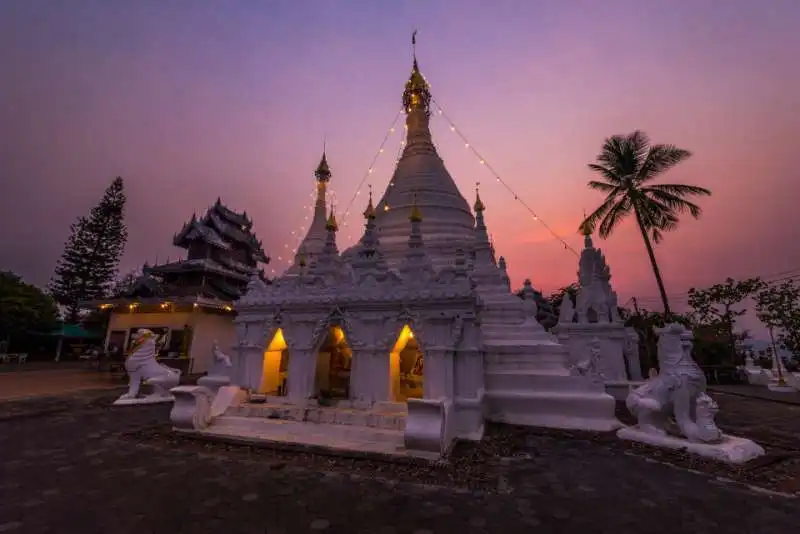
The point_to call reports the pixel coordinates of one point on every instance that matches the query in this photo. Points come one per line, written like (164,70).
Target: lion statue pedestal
(679,392)
(142,367)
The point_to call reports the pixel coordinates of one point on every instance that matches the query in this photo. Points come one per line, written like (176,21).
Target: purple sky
(234,99)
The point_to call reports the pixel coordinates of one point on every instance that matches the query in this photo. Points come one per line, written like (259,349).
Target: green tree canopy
(718,307)
(87,269)
(24,308)
(778,307)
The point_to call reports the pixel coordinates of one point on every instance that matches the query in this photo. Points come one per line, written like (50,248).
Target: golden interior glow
(334,362)
(402,340)
(278,342)
(406,364)
(275,367)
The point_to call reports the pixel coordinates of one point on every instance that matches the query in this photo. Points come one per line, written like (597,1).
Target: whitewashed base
(143,400)
(786,388)
(731,449)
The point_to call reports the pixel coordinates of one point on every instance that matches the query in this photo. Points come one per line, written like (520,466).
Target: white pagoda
(401,344)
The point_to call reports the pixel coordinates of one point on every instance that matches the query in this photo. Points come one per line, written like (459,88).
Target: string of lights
(287,254)
(498,179)
(370,170)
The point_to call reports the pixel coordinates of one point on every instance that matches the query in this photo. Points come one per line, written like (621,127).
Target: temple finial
(369,213)
(416,214)
(479,207)
(331,225)
(417,94)
(323,172)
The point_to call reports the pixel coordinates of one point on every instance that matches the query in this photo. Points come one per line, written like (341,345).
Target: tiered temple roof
(223,254)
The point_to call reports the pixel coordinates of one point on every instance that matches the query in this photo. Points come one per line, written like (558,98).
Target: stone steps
(343,438)
(524,381)
(386,416)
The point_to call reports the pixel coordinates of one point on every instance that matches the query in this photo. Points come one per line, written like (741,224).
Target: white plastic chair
(23,357)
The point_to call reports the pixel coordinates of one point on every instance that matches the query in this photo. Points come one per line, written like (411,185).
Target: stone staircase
(527,380)
(343,427)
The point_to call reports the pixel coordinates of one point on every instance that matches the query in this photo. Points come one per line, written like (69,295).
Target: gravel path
(72,472)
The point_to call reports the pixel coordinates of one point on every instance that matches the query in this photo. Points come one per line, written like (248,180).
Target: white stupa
(406,341)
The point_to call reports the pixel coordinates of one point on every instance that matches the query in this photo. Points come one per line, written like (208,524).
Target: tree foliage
(88,266)
(778,307)
(627,165)
(24,308)
(555,299)
(717,307)
(125,284)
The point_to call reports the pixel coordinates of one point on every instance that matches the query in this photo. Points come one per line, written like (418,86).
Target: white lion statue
(142,366)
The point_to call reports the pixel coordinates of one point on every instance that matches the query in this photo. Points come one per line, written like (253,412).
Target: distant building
(189,303)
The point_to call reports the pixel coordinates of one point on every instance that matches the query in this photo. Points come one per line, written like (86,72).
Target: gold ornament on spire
(369,213)
(479,207)
(331,225)
(301,259)
(416,214)
(417,94)
(323,172)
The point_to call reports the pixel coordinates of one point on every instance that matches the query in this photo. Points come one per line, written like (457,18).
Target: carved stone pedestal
(731,449)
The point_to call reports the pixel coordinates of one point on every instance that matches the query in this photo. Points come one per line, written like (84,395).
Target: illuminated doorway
(276,366)
(406,367)
(334,361)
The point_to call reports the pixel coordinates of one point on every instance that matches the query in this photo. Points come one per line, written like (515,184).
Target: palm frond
(605,187)
(615,156)
(591,220)
(659,159)
(680,189)
(673,202)
(639,143)
(607,173)
(614,216)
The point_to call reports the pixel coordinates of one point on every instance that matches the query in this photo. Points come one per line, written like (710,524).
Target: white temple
(401,344)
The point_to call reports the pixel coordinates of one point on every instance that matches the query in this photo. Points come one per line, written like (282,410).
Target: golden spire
(331,225)
(479,207)
(416,214)
(323,172)
(369,213)
(417,93)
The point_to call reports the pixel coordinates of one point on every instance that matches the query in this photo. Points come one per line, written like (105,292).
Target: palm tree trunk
(654,263)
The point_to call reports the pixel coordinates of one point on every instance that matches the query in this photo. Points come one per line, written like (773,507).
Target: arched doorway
(276,366)
(406,367)
(334,361)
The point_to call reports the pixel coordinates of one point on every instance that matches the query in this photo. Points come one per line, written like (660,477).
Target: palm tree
(628,164)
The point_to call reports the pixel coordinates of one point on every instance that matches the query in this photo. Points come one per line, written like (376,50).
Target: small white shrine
(593,325)
(401,344)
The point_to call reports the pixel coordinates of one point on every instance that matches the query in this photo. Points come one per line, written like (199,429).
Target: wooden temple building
(189,303)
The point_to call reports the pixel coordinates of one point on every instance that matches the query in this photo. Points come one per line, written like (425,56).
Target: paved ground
(758,392)
(20,384)
(70,472)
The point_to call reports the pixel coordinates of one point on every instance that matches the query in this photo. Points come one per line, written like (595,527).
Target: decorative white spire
(314,240)
(484,253)
(417,266)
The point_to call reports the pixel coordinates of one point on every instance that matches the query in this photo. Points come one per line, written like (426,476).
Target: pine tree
(88,267)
